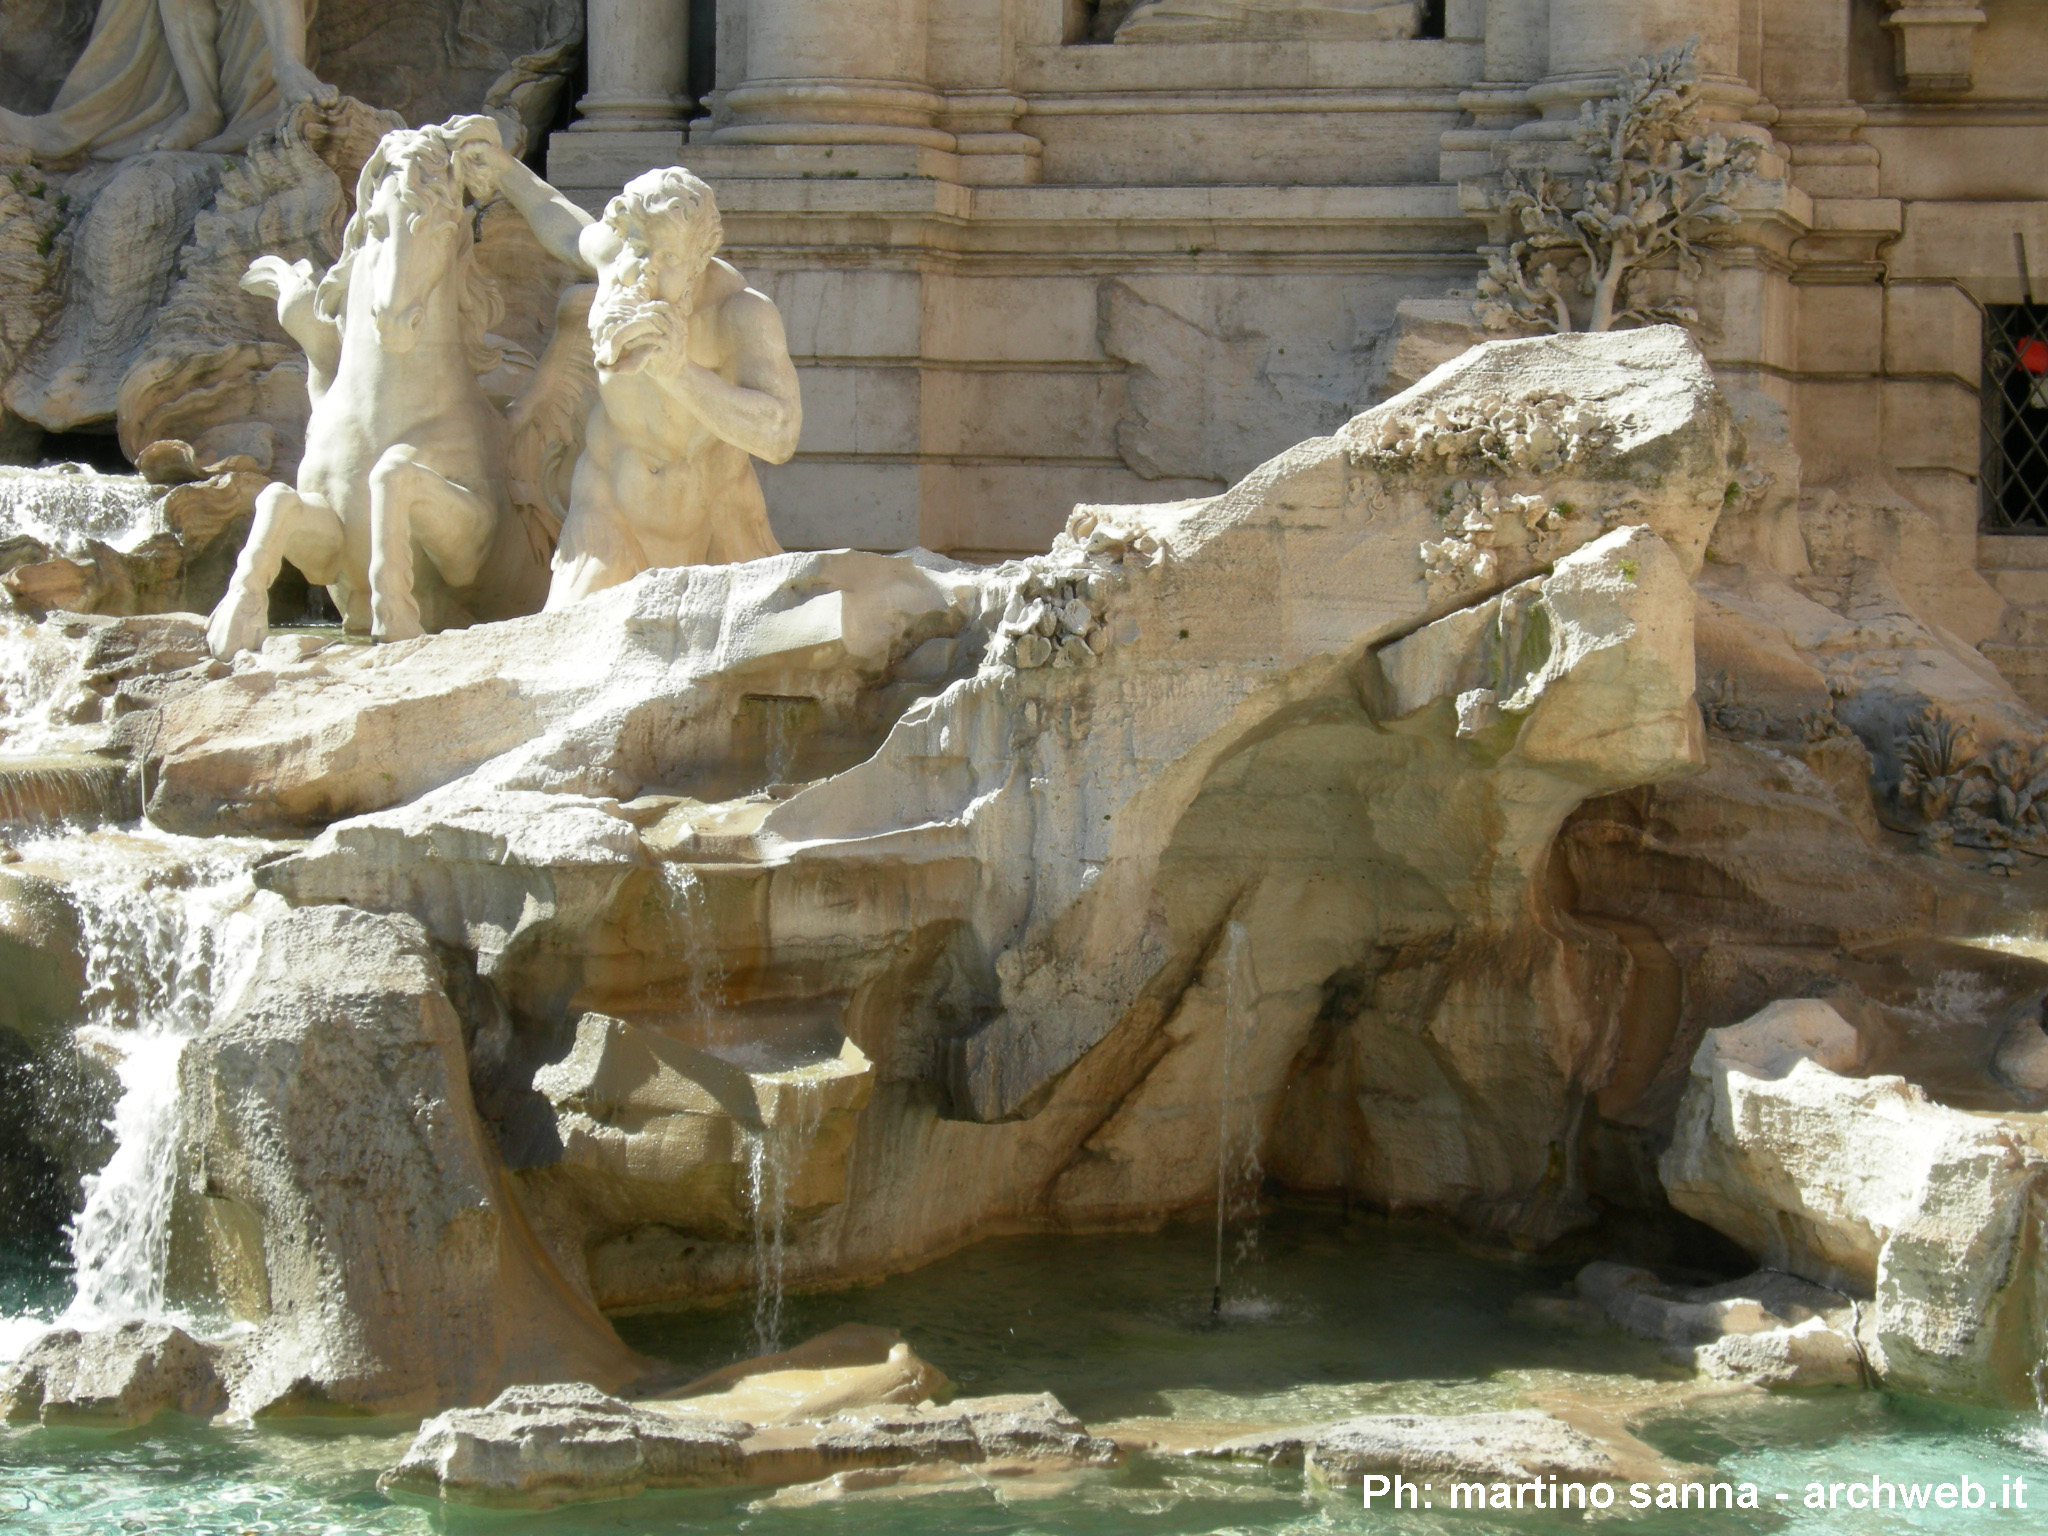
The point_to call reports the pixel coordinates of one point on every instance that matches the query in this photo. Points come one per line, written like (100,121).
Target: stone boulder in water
(540,1447)
(1865,1183)
(112,1378)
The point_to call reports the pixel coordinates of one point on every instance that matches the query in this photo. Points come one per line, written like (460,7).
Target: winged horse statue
(418,505)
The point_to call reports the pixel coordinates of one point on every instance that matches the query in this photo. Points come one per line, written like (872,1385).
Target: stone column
(849,72)
(1517,48)
(1592,41)
(639,53)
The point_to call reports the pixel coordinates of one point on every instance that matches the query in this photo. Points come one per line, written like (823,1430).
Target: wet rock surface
(1770,1329)
(1865,1184)
(354,1208)
(1518,1445)
(120,1377)
(540,1446)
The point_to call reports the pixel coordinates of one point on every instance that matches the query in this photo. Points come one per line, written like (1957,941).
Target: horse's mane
(436,192)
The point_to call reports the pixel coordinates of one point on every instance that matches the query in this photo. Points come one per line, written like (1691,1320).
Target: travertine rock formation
(1868,1185)
(1519,1445)
(841,907)
(989,866)
(541,1446)
(1770,1329)
(116,1378)
(351,1204)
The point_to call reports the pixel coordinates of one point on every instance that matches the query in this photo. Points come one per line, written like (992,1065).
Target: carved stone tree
(1656,184)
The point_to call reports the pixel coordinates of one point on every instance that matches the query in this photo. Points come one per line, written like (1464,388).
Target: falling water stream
(789,1113)
(160,921)
(1238,1172)
(776,1153)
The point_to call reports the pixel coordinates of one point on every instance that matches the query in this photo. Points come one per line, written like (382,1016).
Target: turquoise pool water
(1338,1317)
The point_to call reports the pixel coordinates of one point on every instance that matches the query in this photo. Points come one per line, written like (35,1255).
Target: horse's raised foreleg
(413,504)
(287,526)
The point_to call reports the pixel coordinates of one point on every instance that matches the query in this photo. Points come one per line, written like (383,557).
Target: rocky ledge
(536,1447)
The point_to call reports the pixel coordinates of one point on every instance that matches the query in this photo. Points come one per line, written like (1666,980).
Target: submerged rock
(112,1378)
(1769,1329)
(536,1447)
(1518,1446)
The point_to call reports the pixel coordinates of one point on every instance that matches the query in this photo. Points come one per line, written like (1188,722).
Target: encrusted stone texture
(116,1378)
(358,1215)
(1866,1185)
(950,885)
(536,1447)
(1179,719)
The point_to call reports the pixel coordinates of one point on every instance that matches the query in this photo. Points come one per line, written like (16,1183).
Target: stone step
(2026,588)
(2011,552)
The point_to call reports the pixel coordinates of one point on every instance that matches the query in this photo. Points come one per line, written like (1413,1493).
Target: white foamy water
(163,923)
(37,670)
(65,505)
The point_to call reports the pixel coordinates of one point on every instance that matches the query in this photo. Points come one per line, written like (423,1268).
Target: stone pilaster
(852,72)
(638,53)
(1592,41)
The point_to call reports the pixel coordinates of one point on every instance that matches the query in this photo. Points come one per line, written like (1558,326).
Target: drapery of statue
(1217,21)
(418,504)
(173,75)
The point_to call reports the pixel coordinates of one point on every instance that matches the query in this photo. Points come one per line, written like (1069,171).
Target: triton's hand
(480,156)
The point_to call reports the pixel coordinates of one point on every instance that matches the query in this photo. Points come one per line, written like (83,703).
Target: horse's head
(415,230)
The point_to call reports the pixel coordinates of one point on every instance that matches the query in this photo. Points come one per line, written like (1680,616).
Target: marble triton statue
(175,74)
(693,380)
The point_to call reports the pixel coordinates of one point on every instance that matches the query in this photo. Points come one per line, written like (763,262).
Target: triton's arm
(761,412)
(293,286)
(557,223)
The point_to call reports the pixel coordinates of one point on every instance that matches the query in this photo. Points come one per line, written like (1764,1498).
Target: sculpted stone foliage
(1656,184)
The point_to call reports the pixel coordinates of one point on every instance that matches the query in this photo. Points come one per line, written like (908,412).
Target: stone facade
(1026,263)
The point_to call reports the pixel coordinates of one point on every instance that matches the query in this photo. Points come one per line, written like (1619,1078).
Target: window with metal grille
(2014,482)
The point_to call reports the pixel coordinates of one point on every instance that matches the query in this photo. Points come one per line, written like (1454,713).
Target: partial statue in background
(692,382)
(402,508)
(175,74)
(1223,21)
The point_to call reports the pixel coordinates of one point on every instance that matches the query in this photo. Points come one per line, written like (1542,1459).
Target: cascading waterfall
(1238,1171)
(691,923)
(158,917)
(776,1153)
(790,1114)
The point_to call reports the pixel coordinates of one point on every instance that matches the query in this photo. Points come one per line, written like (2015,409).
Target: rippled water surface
(1338,1317)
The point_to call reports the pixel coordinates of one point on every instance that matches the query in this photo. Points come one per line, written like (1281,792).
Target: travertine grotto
(937,894)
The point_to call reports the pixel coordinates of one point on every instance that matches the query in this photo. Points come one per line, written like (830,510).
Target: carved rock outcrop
(353,1208)
(961,850)
(1868,1185)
